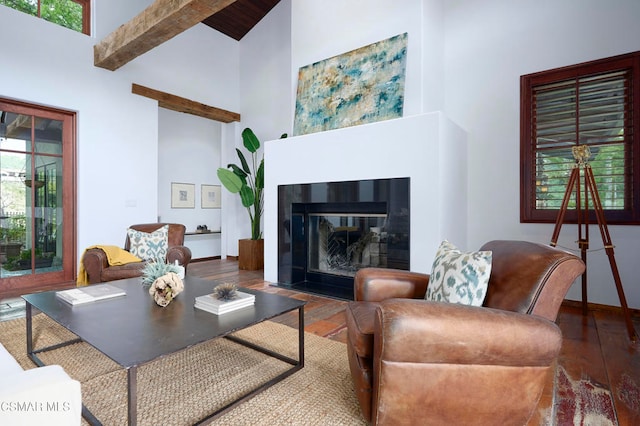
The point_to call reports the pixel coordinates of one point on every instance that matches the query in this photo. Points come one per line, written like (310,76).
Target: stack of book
(212,304)
(78,296)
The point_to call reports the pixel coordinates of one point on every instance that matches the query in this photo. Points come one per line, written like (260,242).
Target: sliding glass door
(37,235)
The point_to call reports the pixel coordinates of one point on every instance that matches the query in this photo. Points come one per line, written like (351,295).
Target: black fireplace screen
(342,243)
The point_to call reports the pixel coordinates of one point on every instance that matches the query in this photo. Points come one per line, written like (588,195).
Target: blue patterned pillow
(459,277)
(149,246)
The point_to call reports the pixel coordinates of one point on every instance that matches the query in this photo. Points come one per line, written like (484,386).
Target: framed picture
(330,97)
(210,196)
(183,195)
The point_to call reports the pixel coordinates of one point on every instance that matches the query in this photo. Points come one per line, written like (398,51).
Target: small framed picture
(183,195)
(210,196)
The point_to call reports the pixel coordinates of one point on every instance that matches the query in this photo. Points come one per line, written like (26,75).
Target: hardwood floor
(597,381)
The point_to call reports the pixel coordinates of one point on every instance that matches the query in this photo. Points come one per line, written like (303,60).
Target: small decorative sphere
(225,291)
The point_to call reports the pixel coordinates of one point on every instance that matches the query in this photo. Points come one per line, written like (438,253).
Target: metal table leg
(296,365)
(132,390)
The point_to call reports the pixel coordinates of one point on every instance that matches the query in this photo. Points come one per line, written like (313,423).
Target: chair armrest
(443,333)
(377,284)
(180,253)
(95,261)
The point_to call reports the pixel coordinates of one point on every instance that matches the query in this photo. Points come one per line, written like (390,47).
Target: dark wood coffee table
(132,330)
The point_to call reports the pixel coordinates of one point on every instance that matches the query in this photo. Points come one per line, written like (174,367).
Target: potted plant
(247,180)
(23,261)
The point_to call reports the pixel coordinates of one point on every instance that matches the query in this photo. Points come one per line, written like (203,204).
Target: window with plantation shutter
(594,104)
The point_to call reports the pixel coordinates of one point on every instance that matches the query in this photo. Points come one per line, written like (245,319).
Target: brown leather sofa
(98,268)
(419,362)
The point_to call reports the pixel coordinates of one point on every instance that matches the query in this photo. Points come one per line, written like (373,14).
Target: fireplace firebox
(331,230)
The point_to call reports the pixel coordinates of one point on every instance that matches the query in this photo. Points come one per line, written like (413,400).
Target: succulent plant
(154,270)
(225,291)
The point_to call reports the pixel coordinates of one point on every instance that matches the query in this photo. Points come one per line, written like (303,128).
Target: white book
(240,300)
(216,306)
(220,311)
(225,307)
(92,293)
(222,308)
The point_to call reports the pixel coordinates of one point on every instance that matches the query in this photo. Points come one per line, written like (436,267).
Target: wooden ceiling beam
(180,104)
(161,21)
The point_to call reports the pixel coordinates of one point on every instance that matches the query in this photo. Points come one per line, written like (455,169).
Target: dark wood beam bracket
(159,22)
(180,104)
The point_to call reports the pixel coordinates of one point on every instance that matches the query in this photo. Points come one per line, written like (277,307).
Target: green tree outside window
(66,13)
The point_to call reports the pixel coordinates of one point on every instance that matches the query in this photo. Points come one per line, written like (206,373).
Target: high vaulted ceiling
(237,19)
(164,19)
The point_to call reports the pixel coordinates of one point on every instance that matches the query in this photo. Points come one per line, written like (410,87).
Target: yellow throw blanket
(115,256)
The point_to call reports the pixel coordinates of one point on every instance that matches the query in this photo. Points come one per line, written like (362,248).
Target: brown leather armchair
(98,269)
(419,362)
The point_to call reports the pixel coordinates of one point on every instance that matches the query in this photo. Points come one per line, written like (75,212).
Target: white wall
(264,66)
(117,131)
(488,46)
(432,55)
(189,152)
(322,29)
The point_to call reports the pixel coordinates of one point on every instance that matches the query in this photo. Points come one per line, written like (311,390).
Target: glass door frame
(18,285)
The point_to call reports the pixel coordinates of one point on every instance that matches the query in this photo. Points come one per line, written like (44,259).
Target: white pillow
(458,277)
(149,246)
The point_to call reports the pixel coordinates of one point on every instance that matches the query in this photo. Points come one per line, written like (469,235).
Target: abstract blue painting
(357,87)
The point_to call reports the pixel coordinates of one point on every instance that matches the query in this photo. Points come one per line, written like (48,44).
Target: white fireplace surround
(428,148)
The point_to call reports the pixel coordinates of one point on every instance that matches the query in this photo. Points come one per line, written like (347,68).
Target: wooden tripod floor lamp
(581,153)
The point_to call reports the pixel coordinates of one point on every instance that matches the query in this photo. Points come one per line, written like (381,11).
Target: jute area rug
(183,388)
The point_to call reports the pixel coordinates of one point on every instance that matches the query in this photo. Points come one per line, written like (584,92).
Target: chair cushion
(360,318)
(149,246)
(459,277)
